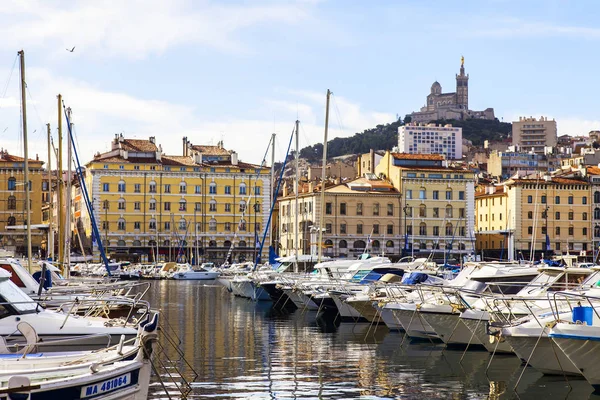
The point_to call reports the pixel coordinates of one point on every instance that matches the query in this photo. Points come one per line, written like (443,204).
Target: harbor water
(243,349)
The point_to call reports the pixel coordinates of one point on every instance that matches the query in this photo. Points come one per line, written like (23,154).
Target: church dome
(436,88)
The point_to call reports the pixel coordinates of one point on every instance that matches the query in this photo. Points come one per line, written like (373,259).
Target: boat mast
(296,188)
(59,175)
(69,229)
(320,241)
(50,245)
(26,164)
(272,185)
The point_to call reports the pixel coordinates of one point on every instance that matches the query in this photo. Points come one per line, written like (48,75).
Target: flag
(256,240)
(547,242)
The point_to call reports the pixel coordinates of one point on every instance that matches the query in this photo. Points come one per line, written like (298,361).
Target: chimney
(372,159)
(152,140)
(37,157)
(121,137)
(184,146)
(234,157)
(285,190)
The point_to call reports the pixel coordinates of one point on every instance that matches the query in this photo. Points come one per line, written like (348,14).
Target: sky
(239,71)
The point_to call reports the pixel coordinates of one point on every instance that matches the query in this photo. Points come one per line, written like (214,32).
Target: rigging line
(338,115)
(9,77)
(36,110)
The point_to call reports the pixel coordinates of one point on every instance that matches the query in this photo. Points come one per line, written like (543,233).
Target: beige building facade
(534,134)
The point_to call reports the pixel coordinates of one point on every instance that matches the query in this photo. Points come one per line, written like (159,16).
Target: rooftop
(407,156)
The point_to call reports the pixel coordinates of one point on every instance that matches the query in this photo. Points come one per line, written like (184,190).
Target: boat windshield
(10,293)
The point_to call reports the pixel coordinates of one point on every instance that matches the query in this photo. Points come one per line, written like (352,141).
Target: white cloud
(137,28)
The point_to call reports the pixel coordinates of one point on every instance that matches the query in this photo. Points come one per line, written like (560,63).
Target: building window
(544,230)
(121,224)
(152,224)
(327,228)
(376,209)
(167,188)
(409,194)
(342,208)
(449,230)
(343,229)
(408,211)
(242,225)
(152,205)
(212,205)
(182,225)
(11,203)
(137,188)
(105,205)
(557,215)
(448,211)
(212,188)
(375,229)
(529,214)
(121,204)
(242,206)
(448,194)
(461,195)
(571,215)
(570,199)
(359,207)
(136,205)
(343,244)
(167,206)
(557,230)
(182,205)
(436,231)
(557,200)
(529,199)
(11,221)
(463,231)
(390,210)
(328,208)
(436,194)
(543,199)
(121,187)
(423,229)
(436,212)
(571,231)
(182,187)
(198,189)
(584,216)
(422,194)
(422,211)
(106,187)
(359,229)
(227,207)
(584,231)
(408,229)
(152,187)
(167,226)
(227,189)
(136,225)
(227,226)
(212,225)
(197,206)
(12,184)
(390,230)
(584,200)
(242,188)
(105,225)
(257,190)
(461,213)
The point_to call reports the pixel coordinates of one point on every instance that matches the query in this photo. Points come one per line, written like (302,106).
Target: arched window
(182,224)
(151,243)
(375,244)
(227,244)
(212,243)
(212,224)
(243,206)
(596,197)
(167,243)
(11,221)
(152,187)
(422,211)
(182,187)
(376,209)
(12,203)
(448,211)
(242,243)
(121,204)
(423,229)
(389,244)
(242,225)
(152,205)
(359,244)
(242,188)
(152,224)
(449,231)
(343,244)
(182,205)
(212,188)
(12,184)
(121,186)
(121,243)
(121,224)
(596,213)
(329,243)
(212,205)
(137,243)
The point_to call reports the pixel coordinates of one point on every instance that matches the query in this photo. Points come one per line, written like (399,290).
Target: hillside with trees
(385,137)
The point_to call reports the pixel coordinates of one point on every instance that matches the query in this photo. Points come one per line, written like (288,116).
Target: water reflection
(242,349)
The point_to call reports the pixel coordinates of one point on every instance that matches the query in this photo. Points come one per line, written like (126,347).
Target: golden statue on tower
(462,61)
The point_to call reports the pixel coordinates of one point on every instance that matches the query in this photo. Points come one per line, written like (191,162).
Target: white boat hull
(449,328)
(196,276)
(582,347)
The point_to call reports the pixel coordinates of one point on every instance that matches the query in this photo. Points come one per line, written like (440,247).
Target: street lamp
(546,239)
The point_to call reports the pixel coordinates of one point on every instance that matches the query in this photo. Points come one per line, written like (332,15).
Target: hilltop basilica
(454,105)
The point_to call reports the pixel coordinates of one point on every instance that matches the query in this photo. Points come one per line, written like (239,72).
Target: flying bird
(71,50)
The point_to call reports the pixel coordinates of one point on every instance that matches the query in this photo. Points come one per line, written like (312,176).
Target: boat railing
(572,297)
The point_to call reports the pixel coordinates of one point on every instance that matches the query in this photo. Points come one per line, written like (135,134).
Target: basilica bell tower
(462,87)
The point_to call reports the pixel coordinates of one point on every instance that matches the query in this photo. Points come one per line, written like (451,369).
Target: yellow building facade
(13,216)
(438,203)
(492,216)
(193,207)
